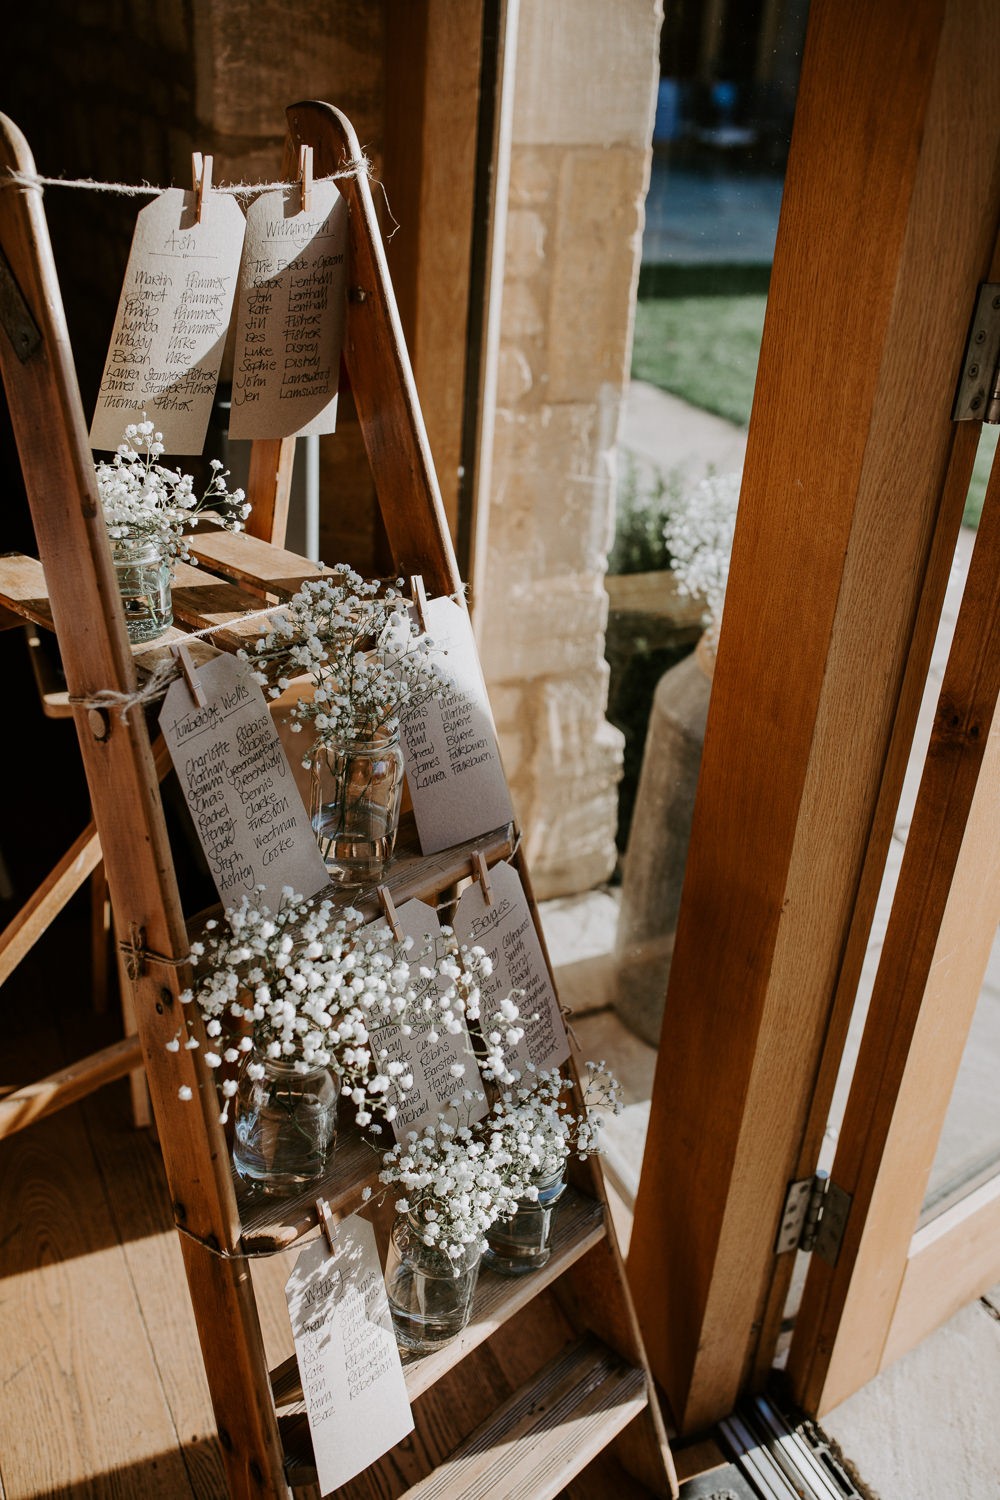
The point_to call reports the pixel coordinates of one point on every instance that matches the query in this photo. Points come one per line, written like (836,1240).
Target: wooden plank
(47,418)
(24,1106)
(579,1223)
(63,881)
(842,488)
(429,165)
(76,1363)
(271,570)
(951,1261)
(941,929)
(379,367)
(131,1168)
(546,1433)
(202,600)
(269,486)
(23,588)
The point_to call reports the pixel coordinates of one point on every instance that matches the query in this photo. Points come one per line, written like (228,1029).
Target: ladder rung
(530,1449)
(26,1105)
(546,1433)
(63,881)
(257,563)
(201,599)
(577,1226)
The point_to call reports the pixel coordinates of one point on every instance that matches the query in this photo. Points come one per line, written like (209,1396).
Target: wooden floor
(102,1392)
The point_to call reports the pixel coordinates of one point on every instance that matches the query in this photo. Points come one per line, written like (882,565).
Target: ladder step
(249,560)
(577,1226)
(26,1105)
(546,1433)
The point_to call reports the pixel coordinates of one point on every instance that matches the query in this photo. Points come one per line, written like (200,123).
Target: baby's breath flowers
(458,1180)
(455,1185)
(699,534)
(534,1124)
(144,501)
(368,663)
(311,986)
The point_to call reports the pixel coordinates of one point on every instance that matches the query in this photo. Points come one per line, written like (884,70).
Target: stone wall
(584,98)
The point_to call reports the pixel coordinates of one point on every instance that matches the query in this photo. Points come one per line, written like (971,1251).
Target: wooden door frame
(852,498)
(859,1314)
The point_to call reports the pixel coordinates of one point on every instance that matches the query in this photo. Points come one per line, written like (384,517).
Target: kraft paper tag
(290,315)
(349,1365)
(457,784)
(507,932)
(170,329)
(239,787)
(431,1063)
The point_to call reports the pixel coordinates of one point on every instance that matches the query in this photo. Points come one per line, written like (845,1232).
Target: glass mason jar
(522,1243)
(430,1292)
(285,1124)
(144,576)
(356,790)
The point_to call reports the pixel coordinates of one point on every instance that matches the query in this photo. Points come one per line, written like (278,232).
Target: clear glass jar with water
(430,1292)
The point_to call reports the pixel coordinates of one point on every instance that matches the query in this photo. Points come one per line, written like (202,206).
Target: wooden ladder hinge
(814,1217)
(978,395)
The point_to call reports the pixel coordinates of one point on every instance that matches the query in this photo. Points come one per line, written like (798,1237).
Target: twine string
(357,167)
(166,671)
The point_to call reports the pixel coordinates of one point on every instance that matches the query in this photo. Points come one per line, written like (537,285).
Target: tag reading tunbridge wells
(352,1379)
(239,787)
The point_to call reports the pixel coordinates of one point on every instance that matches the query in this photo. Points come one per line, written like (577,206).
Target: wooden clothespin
(305,176)
(182,654)
(201,172)
(327,1223)
(483,876)
(385,901)
(419,596)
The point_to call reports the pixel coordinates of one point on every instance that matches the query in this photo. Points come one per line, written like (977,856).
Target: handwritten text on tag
(173,315)
(239,787)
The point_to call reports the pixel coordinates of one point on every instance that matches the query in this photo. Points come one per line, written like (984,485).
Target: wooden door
(894,1281)
(852,499)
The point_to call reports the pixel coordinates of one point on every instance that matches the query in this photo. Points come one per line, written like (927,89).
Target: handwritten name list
(290,315)
(507,932)
(349,1365)
(453,769)
(173,315)
(433,1063)
(239,787)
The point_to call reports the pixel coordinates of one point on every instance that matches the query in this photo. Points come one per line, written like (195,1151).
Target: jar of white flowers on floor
(368,661)
(294,1004)
(147,510)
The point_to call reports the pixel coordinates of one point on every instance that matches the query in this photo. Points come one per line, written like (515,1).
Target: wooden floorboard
(102,1392)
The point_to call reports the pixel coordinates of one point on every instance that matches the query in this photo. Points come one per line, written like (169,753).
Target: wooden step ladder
(550,1376)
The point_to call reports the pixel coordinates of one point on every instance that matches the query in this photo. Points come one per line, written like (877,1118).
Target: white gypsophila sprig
(499,1031)
(458,1180)
(536,1123)
(311,985)
(355,639)
(455,1185)
(143,500)
(699,535)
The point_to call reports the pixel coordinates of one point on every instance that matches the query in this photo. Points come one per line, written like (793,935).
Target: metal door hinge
(978,396)
(814,1217)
